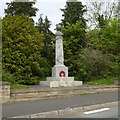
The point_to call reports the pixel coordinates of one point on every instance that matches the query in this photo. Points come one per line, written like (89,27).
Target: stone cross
(59,54)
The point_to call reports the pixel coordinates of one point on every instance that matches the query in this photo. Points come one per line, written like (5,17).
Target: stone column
(59,69)
(59,55)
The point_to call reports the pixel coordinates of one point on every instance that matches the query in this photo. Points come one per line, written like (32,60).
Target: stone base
(60,78)
(60,82)
(57,68)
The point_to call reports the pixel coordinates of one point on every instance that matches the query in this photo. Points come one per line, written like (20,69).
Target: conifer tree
(73,12)
(47,52)
(25,7)
(74,26)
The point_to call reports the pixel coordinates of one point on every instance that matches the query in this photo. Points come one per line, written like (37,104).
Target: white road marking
(95,111)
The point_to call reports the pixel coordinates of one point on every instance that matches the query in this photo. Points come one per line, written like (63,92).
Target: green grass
(18,86)
(104,81)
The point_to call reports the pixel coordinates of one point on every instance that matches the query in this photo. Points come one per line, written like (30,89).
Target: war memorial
(60,76)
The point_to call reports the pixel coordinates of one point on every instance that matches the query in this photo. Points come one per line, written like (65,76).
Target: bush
(43,70)
(6,76)
(114,66)
(93,64)
(22,44)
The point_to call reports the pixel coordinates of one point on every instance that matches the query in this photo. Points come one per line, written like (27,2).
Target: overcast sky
(49,8)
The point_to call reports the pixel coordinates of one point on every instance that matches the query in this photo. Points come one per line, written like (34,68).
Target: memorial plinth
(60,71)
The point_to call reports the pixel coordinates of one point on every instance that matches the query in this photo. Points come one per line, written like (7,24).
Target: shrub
(22,44)
(93,64)
(6,76)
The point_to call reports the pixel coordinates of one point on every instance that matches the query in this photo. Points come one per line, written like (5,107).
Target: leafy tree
(111,41)
(16,7)
(111,37)
(108,42)
(22,44)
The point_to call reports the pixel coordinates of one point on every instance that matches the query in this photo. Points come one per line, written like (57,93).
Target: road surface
(99,113)
(33,107)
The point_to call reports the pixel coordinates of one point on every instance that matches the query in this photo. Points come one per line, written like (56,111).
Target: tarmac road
(32,107)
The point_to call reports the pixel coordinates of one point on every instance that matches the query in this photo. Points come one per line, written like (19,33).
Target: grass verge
(18,86)
(103,81)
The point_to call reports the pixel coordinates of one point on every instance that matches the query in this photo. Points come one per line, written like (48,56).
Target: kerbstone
(65,111)
(93,107)
(78,109)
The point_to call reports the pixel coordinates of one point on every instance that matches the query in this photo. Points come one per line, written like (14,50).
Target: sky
(49,8)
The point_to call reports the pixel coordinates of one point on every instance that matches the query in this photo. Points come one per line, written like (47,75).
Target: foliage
(73,12)
(43,70)
(114,66)
(48,49)
(47,52)
(6,76)
(28,50)
(74,41)
(106,39)
(74,26)
(111,37)
(26,8)
(22,44)
(92,64)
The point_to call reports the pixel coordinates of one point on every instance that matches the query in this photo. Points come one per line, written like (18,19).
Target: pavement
(59,106)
